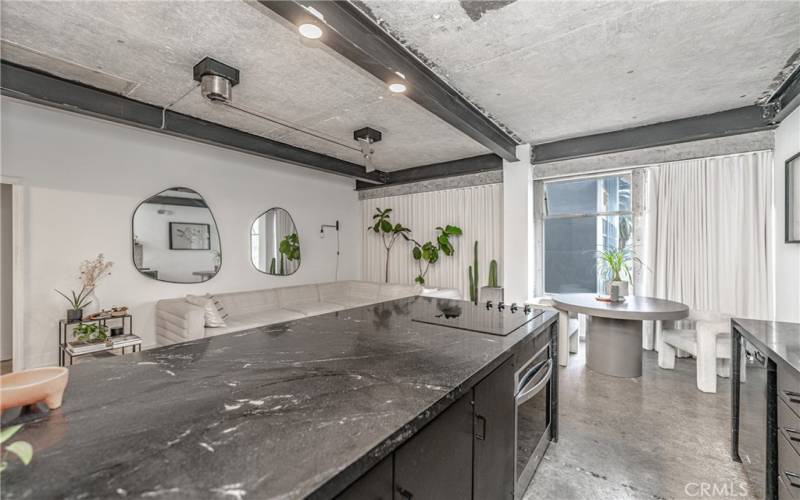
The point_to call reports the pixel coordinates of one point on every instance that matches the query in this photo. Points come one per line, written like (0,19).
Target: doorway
(6,281)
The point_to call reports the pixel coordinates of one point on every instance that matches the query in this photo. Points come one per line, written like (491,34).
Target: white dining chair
(705,335)
(568,329)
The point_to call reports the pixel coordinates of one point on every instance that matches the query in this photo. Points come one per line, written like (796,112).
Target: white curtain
(705,233)
(477,210)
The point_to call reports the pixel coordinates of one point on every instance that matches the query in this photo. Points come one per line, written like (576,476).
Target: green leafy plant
(289,248)
(616,263)
(22,449)
(382,225)
(473,276)
(428,252)
(90,332)
(77,300)
(493,274)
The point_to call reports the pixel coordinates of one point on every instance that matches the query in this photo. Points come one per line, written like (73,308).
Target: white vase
(623,287)
(94,305)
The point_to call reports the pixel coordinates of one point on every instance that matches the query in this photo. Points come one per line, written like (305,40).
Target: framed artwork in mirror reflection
(189,236)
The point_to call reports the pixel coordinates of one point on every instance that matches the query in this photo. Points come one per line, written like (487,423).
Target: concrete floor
(656,437)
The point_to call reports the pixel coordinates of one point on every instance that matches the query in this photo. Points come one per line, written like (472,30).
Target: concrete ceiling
(146,50)
(552,70)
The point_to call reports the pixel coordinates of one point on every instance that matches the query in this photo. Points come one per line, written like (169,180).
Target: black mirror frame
(789,215)
(250,241)
(133,239)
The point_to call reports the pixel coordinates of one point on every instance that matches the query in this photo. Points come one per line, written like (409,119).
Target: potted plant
(389,232)
(289,248)
(492,291)
(90,333)
(77,302)
(616,265)
(428,252)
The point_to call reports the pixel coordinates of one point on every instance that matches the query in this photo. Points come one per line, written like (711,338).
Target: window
(582,216)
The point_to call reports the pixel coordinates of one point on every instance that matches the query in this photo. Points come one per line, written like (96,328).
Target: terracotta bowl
(31,386)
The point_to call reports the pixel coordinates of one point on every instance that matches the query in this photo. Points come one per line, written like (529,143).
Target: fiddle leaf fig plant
(289,248)
(428,252)
(382,225)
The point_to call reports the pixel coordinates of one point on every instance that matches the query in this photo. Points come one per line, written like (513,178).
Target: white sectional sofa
(179,321)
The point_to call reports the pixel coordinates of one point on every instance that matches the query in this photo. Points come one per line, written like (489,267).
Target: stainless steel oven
(532,416)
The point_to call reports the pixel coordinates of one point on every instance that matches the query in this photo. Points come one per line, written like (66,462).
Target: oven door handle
(533,387)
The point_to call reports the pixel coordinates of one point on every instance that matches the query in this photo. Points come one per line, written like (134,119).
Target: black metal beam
(464,166)
(725,123)
(35,86)
(785,99)
(355,36)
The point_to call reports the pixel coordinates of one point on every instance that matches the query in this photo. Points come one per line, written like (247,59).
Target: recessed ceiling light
(310,30)
(397,88)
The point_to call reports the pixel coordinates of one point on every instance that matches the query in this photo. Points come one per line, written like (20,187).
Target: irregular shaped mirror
(274,245)
(175,237)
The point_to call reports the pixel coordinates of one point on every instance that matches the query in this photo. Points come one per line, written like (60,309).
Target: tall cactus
(472,294)
(473,277)
(493,273)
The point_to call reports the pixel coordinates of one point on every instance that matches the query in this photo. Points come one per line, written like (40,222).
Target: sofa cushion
(364,290)
(211,315)
(390,291)
(239,303)
(334,291)
(297,294)
(255,320)
(344,302)
(311,308)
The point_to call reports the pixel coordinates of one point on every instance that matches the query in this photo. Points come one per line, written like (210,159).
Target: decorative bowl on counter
(28,387)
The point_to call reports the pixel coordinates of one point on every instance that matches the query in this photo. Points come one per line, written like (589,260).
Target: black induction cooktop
(480,318)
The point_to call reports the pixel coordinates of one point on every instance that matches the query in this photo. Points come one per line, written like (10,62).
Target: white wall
(787,255)
(83,179)
(518,231)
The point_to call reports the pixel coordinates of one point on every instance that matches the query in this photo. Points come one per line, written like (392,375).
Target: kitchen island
(293,410)
(765,405)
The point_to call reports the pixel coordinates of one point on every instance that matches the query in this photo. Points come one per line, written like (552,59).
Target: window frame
(582,214)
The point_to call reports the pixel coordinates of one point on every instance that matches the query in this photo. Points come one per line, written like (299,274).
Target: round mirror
(274,244)
(175,237)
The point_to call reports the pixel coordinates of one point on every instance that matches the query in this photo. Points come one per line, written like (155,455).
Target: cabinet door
(376,484)
(437,462)
(494,434)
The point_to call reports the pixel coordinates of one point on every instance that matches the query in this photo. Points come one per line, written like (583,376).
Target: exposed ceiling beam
(359,39)
(464,166)
(725,123)
(785,99)
(35,86)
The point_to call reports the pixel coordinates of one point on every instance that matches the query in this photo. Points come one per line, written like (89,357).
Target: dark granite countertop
(781,341)
(281,411)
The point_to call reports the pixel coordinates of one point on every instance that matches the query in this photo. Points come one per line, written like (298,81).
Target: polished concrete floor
(655,437)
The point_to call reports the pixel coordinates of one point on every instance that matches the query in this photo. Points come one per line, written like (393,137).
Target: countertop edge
(776,357)
(349,474)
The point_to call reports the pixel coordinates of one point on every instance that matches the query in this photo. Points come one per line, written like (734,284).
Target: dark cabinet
(376,484)
(437,462)
(494,435)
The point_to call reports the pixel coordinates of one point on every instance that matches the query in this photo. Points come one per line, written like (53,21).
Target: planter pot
(74,315)
(493,293)
(623,287)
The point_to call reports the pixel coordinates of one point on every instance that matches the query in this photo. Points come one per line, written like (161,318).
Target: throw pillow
(218,304)
(210,312)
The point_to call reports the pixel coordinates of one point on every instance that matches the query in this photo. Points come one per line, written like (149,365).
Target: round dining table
(614,330)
